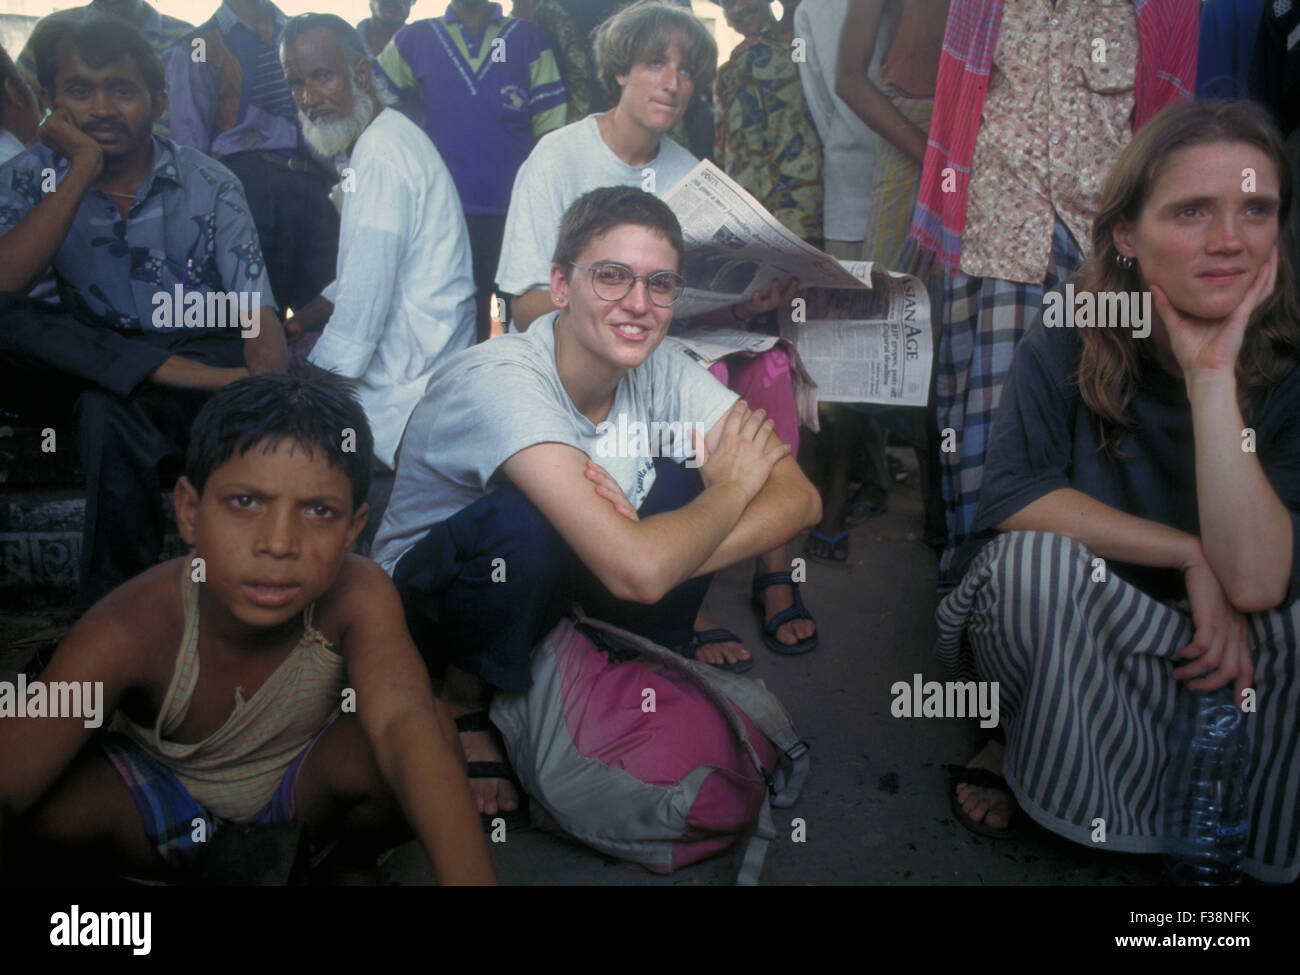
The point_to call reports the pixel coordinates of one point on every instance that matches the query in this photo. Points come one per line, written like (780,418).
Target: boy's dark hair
(600,211)
(100,41)
(312,410)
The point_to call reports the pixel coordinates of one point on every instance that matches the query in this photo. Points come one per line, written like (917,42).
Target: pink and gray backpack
(647,756)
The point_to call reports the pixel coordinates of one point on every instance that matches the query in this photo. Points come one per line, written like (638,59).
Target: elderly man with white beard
(403,297)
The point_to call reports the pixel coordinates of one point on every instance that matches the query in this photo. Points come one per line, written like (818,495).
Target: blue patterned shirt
(189,225)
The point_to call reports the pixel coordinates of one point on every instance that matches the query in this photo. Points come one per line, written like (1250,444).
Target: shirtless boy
(231,673)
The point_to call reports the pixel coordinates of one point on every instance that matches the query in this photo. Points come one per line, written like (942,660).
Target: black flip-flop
(836,545)
(514,818)
(982,778)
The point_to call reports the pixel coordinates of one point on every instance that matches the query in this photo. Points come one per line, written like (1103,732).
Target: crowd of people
(265,263)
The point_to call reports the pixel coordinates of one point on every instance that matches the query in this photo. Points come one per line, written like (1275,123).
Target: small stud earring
(1124,263)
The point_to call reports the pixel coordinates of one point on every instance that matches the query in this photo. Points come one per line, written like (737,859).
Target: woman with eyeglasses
(580,461)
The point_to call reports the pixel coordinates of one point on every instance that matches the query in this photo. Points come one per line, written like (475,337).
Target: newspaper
(857,333)
(734,247)
(868,346)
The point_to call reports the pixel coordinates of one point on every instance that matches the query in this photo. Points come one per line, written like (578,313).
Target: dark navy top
(1044,438)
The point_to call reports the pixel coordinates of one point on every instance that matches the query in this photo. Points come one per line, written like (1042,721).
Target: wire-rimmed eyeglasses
(613,281)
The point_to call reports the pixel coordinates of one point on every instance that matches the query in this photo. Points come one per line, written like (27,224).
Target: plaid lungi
(982,320)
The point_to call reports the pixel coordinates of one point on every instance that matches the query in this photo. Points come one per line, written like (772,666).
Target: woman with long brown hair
(1144,476)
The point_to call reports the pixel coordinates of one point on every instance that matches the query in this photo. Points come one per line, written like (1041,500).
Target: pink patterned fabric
(1168,37)
(764,382)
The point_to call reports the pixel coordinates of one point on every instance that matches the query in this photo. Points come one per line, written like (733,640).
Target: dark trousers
(296,223)
(459,615)
(485,236)
(130,435)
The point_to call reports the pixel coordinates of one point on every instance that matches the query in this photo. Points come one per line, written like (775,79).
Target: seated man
(228,672)
(143,237)
(158,29)
(404,297)
(500,517)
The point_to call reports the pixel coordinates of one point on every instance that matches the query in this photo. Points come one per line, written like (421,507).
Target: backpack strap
(756,850)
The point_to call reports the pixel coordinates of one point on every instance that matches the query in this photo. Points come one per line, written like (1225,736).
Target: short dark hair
(641,32)
(600,211)
(100,41)
(347,36)
(311,410)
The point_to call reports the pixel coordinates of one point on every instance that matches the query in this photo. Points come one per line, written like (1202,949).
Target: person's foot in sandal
(478,739)
(777,598)
(718,653)
(991,807)
(826,548)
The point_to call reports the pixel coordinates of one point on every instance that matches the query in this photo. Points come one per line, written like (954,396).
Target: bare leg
(86,828)
(341,793)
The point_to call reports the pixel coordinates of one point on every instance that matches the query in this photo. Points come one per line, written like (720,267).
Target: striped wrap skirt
(1087,696)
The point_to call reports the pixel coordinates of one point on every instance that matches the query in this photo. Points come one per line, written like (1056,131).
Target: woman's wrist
(1202,383)
(1192,555)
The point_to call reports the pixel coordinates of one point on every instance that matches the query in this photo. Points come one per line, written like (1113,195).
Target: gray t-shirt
(489,402)
(565,164)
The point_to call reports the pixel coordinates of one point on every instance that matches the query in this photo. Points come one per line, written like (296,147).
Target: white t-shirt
(849,147)
(564,165)
(404,297)
(491,401)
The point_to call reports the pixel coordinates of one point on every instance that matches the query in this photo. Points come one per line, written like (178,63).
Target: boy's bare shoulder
(140,621)
(361,587)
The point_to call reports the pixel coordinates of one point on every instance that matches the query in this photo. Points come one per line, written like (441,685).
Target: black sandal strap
(475,721)
(489,770)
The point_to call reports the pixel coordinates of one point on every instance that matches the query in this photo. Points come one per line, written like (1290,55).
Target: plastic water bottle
(1205,814)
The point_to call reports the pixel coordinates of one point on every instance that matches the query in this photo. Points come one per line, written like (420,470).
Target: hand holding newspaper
(860,333)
